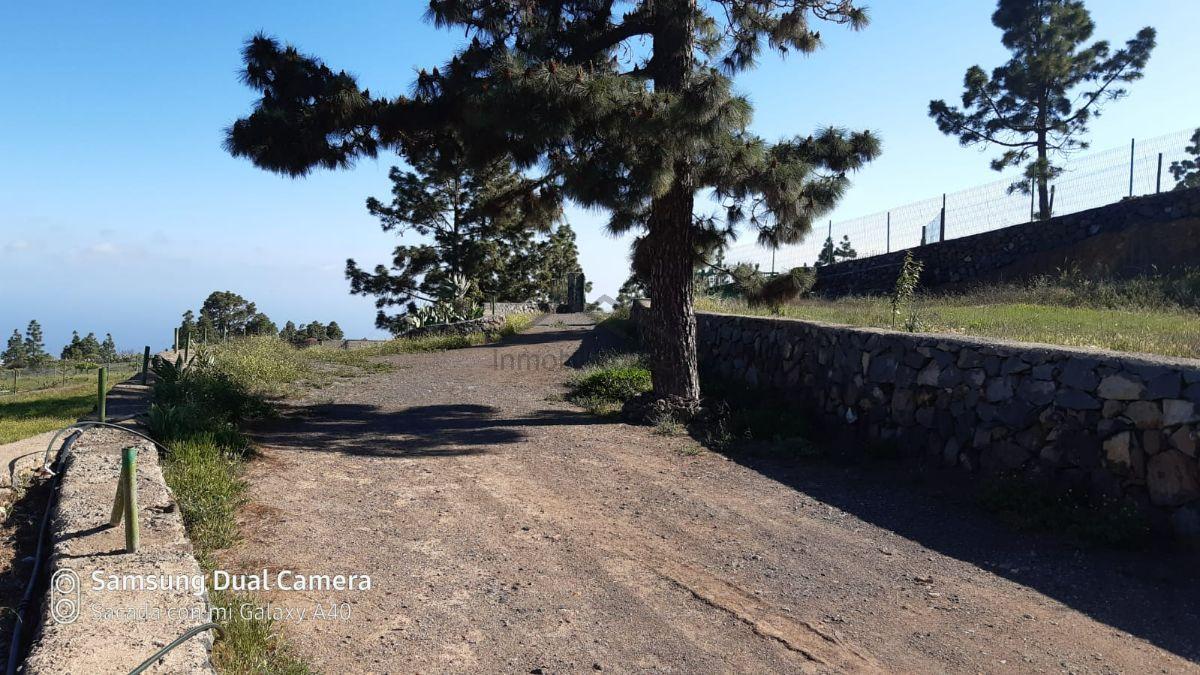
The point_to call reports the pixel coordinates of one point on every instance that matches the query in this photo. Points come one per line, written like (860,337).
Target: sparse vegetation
(1027,506)
(604,386)
(1149,314)
(29,414)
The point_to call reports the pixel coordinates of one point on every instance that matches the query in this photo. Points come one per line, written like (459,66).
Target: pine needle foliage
(1038,104)
(625,106)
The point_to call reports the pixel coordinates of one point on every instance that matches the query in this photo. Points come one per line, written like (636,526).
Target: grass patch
(1170,332)
(1031,507)
(252,646)
(196,414)
(604,386)
(31,413)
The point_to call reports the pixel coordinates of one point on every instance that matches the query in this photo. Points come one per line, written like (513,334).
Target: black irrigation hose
(191,632)
(14,648)
(87,425)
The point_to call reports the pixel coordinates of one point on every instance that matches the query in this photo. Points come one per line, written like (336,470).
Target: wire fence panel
(21,380)
(1087,182)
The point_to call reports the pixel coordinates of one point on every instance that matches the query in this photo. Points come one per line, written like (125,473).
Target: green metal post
(145,365)
(101,393)
(129,485)
(118,508)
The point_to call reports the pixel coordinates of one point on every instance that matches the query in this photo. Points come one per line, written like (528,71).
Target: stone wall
(1113,425)
(1134,236)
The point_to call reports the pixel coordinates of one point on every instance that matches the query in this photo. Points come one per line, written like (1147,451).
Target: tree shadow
(1153,593)
(418,431)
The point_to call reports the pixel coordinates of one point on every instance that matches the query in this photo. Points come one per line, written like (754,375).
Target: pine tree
(35,345)
(844,250)
(261,324)
(89,348)
(1039,103)
(108,349)
(14,356)
(187,328)
(828,255)
(475,218)
(73,351)
(1187,171)
(227,313)
(289,333)
(626,107)
(334,332)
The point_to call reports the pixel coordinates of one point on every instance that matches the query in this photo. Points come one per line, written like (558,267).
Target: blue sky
(119,209)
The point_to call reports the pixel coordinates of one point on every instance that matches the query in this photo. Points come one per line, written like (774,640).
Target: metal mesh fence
(1088,181)
(61,374)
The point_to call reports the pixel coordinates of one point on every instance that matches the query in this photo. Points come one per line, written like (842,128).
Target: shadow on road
(419,431)
(1152,594)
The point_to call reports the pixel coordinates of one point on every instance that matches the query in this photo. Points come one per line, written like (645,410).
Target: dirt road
(505,532)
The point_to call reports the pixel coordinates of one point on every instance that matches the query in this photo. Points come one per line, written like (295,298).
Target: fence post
(1051,214)
(101,392)
(889,232)
(923,234)
(126,504)
(1032,200)
(187,343)
(175,340)
(1158,176)
(14,380)
(942,228)
(145,365)
(1132,148)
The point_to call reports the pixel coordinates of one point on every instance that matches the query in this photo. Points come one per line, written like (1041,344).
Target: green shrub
(206,480)
(614,379)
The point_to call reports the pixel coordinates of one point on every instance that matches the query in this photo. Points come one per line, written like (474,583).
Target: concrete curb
(92,629)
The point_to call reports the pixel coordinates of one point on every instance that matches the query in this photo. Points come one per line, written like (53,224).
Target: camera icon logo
(64,596)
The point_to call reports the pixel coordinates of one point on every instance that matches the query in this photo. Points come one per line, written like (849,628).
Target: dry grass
(1169,332)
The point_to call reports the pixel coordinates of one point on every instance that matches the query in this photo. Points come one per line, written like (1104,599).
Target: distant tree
(315,330)
(14,355)
(558,257)
(828,255)
(205,329)
(228,313)
(633,289)
(261,324)
(334,332)
(89,348)
(1039,103)
(625,106)
(35,345)
(470,216)
(188,327)
(831,255)
(289,333)
(108,349)
(73,350)
(844,250)
(1187,171)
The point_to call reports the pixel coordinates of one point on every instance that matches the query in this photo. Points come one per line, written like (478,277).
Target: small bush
(614,379)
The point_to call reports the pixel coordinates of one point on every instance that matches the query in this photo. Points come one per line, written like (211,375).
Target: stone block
(1177,411)
(1145,414)
(1121,387)
(1171,479)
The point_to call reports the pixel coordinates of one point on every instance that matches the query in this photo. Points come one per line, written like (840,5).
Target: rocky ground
(505,531)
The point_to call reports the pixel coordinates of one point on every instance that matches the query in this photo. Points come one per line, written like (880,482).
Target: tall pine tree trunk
(672,339)
(1043,179)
